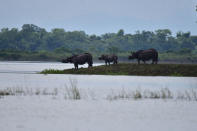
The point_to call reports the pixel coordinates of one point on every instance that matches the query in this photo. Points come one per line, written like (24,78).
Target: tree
(31,28)
(55,39)
(108,36)
(32,38)
(112,50)
(183,35)
(120,32)
(163,34)
(185,41)
(93,37)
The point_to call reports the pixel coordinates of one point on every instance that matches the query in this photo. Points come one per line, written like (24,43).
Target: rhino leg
(138,61)
(89,64)
(76,66)
(105,62)
(153,61)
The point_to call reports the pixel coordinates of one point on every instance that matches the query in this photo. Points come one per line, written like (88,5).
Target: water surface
(25,74)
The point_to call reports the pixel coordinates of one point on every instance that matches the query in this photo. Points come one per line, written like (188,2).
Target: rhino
(144,55)
(79,60)
(109,58)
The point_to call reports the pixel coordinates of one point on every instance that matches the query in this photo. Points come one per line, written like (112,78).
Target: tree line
(33,39)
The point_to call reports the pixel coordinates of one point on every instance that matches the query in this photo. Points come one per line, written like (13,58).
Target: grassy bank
(133,69)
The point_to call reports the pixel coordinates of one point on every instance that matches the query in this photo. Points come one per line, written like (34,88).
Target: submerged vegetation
(72,92)
(133,69)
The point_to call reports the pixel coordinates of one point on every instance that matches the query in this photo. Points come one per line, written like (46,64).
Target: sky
(101,16)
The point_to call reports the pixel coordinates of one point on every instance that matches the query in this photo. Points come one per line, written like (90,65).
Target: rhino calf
(109,58)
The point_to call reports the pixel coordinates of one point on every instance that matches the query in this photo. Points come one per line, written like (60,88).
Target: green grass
(133,69)
(52,71)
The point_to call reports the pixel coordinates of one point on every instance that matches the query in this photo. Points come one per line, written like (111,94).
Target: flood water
(25,74)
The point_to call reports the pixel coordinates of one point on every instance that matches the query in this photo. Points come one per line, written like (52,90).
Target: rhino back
(82,59)
(147,54)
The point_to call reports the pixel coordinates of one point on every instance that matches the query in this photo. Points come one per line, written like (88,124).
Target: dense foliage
(33,42)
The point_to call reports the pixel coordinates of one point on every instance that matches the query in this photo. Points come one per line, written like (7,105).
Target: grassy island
(133,69)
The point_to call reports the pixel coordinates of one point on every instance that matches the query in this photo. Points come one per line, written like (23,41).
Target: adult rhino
(79,60)
(109,58)
(144,55)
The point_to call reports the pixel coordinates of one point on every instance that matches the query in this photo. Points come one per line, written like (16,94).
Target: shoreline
(133,69)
